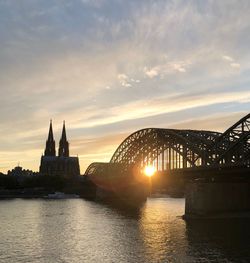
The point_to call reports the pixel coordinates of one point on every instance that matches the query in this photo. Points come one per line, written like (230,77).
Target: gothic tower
(50,149)
(63,144)
(62,165)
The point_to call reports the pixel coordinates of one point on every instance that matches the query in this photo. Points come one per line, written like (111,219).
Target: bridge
(212,168)
(175,151)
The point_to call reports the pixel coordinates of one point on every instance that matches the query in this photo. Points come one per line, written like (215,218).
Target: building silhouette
(19,172)
(63,164)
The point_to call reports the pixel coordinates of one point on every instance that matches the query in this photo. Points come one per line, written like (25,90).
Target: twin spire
(50,149)
(63,144)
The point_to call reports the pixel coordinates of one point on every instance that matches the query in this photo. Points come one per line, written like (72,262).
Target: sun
(149,170)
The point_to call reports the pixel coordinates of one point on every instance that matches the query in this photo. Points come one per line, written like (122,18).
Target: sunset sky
(110,67)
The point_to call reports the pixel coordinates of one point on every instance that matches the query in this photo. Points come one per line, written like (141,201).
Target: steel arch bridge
(172,149)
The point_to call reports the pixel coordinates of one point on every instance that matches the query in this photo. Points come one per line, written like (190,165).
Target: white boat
(61,195)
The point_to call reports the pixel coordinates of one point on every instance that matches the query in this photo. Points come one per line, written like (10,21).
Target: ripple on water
(44,231)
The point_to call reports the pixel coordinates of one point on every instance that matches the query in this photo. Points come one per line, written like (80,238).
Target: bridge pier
(206,199)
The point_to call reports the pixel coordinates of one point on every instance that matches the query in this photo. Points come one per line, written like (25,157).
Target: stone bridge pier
(216,199)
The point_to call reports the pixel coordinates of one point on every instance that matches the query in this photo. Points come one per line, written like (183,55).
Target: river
(76,230)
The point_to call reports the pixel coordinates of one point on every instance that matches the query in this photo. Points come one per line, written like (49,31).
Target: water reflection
(76,231)
(19,231)
(216,240)
(163,231)
(57,229)
(71,231)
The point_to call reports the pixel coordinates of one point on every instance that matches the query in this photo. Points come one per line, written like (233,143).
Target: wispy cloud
(231,61)
(165,69)
(103,65)
(228,58)
(124,80)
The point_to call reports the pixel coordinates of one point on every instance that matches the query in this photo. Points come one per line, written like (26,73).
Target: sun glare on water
(149,170)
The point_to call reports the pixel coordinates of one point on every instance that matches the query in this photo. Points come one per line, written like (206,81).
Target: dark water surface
(76,230)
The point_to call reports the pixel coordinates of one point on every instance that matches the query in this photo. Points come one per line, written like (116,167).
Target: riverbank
(24,193)
(231,215)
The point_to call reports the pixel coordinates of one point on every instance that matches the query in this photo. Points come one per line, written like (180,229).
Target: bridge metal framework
(172,149)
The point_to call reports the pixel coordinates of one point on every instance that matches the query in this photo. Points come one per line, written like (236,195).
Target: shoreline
(229,215)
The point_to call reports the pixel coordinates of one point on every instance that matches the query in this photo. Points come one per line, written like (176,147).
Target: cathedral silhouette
(63,164)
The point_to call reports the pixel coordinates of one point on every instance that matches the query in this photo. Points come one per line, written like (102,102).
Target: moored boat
(61,195)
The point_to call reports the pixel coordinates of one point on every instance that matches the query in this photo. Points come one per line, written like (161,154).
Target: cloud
(165,69)
(159,105)
(232,62)
(228,58)
(219,121)
(151,73)
(95,3)
(124,80)
(235,65)
(104,65)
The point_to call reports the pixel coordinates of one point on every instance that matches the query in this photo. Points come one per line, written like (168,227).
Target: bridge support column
(205,199)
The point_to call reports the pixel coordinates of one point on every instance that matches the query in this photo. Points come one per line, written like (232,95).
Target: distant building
(18,171)
(63,164)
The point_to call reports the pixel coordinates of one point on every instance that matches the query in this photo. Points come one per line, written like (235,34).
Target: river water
(76,230)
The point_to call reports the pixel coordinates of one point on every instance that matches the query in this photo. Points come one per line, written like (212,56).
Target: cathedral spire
(50,136)
(50,143)
(64,138)
(63,144)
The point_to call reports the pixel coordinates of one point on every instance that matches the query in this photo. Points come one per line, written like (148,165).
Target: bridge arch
(165,148)
(233,145)
(169,149)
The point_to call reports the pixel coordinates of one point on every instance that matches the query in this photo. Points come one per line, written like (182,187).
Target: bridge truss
(172,149)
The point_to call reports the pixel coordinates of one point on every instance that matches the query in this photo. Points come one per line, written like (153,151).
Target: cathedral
(63,164)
